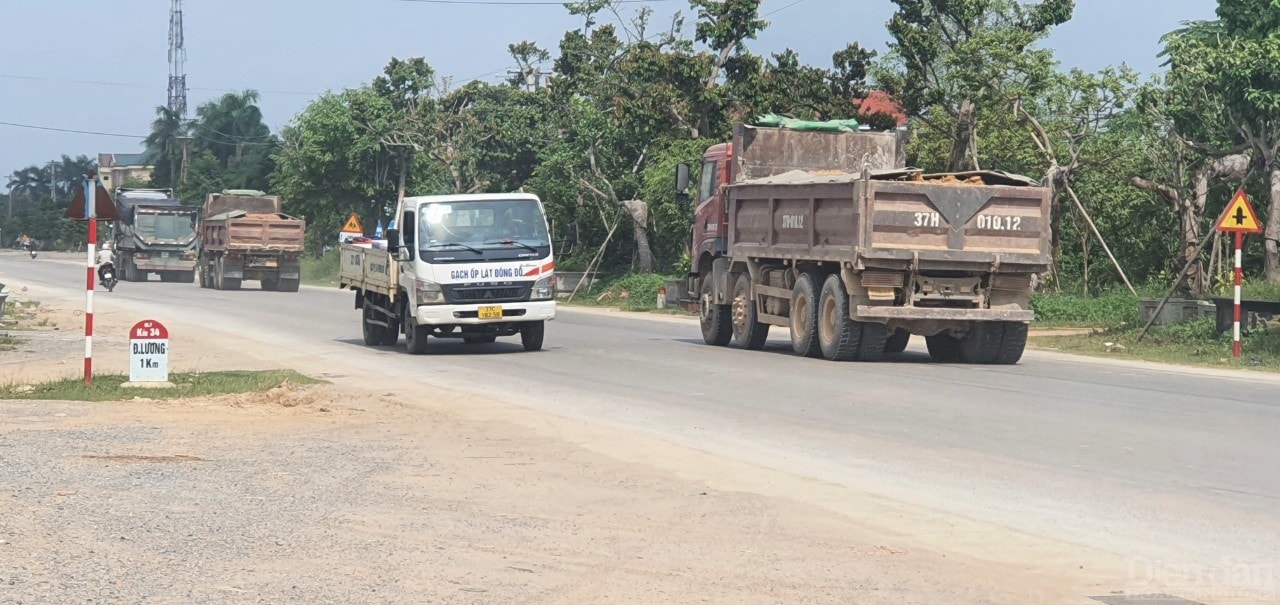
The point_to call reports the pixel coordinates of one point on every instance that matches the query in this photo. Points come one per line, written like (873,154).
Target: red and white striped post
(90,190)
(1239,218)
(1239,279)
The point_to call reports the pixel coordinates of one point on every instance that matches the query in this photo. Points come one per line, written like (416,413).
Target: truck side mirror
(682,179)
(393,241)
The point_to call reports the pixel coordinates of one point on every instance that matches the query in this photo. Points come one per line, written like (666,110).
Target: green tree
(952,62)
(1233,63)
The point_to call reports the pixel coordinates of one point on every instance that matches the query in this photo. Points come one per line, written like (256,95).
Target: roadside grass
(321,271)
(193,384)
(630,292)
(1191,343)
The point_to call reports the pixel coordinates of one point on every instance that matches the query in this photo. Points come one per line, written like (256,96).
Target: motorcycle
(32,251)
(108,276)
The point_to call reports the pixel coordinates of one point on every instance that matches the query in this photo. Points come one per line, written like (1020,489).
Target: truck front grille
(459,294)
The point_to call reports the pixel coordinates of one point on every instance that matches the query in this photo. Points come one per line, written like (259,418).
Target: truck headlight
(427,292)
(544,289)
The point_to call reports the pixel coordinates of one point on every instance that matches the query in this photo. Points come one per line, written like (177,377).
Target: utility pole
(185,156)
(53,183)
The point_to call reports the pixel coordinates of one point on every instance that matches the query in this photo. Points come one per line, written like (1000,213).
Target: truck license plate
(490,313)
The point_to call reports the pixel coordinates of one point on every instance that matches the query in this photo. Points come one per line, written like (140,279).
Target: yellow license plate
(490,313)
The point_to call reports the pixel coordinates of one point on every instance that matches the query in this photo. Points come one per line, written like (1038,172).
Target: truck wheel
(747,332)
(897,342)
(716,320)
(1015,342)
(415,336)
(943,348)
(374,334)
(187,277)
(804,317)
(838,335)
(531,335)
(230,284)
(875,337)
(983,344)
(288,285)
(270,285)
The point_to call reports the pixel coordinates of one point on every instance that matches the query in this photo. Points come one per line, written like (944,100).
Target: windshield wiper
(513,243)
(453,245)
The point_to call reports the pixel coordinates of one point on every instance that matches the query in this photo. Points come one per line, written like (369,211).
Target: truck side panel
(367,269)
(819,222)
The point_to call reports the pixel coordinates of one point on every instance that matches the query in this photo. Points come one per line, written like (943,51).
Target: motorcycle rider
(105,260)
(26,242)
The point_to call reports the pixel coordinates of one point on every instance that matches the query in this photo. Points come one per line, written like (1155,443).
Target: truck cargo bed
(888,221)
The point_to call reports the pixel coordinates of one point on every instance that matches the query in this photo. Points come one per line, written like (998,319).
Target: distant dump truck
(155,234)
(244,235)
(827,235)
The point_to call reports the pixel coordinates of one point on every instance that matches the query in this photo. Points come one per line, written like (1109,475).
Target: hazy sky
(290,50)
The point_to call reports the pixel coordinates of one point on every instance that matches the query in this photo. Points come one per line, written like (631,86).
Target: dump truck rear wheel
(943,348)
(288,285)
(839,336)
(804,316)
(983,344)
(747,332)
(716,320)
(872,344)
(1015,342)
(897,343)
(270,285)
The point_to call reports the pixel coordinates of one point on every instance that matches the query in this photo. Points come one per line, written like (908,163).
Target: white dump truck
(474,267)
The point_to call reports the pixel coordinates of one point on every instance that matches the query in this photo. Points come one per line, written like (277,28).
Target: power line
(137,85)
(73,131)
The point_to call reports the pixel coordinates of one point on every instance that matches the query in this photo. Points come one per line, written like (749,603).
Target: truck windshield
(488,230)
(165,226)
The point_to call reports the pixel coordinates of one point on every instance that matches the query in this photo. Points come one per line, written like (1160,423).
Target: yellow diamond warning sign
(1239,216)
(353,225)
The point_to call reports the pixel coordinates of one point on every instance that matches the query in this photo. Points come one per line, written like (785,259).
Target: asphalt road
(1154,463)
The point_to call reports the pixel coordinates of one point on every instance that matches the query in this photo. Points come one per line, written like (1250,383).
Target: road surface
(1150,465)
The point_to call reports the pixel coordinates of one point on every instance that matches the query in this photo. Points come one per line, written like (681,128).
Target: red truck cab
(710,217)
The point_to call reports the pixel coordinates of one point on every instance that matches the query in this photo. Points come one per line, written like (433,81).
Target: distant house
(879,102)
(124,167)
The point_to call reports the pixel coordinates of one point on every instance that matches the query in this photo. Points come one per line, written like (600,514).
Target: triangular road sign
(353,225)
(103,208)
(1239,216)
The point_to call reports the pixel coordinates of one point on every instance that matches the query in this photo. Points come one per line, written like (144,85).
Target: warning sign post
(351,229)
(148,352)
(1238,218)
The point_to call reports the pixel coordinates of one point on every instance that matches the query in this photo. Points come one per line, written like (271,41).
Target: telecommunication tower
(177,62)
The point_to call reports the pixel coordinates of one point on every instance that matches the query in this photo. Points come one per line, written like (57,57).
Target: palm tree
(166,133)
(231,122)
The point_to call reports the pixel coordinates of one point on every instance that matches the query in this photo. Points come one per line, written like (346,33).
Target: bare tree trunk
(639,212)
(1272,233)
(964,133)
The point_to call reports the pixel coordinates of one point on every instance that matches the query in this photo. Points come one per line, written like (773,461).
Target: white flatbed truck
(475,267)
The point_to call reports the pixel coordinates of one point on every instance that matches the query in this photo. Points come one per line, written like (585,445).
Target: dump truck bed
(253,232)
(895,219)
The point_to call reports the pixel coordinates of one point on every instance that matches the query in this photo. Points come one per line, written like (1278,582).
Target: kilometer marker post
(1239,218)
